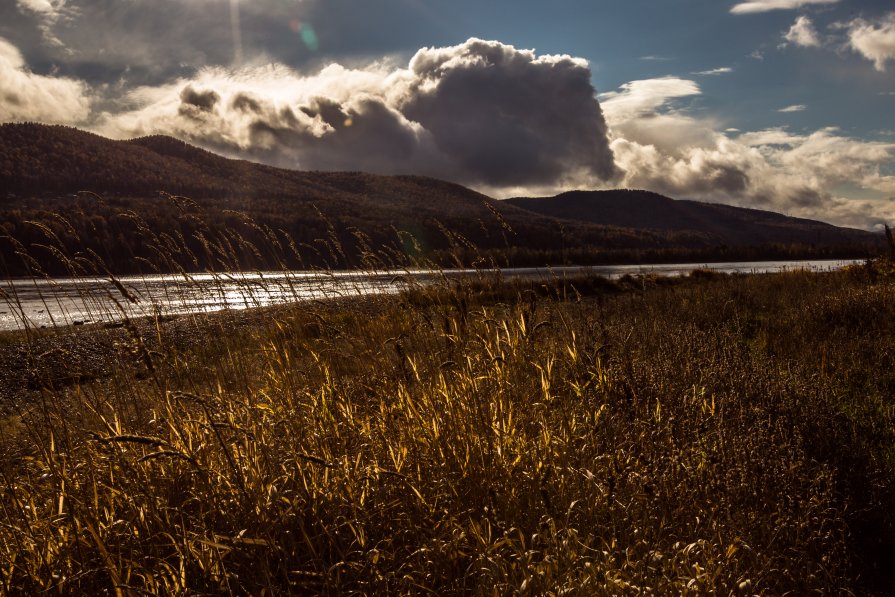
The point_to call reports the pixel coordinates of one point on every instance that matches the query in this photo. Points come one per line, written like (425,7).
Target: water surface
(66,301)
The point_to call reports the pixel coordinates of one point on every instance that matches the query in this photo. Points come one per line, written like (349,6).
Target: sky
(787,105)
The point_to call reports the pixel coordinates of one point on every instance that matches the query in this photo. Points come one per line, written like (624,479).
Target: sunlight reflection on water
(66,301)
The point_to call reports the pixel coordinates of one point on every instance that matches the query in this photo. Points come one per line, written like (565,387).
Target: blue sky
(776,104)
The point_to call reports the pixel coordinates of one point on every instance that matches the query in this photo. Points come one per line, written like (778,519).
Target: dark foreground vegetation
(729,434)
(169,234)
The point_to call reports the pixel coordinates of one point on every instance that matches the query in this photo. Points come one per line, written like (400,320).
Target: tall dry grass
(715,435)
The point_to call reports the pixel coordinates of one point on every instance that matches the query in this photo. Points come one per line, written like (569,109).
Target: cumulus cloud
(495,109)
(27,96)
(482,113)
(663,148)
(802,33)
(789,174)
(794,108)
(755,6)
(826,158)
(715,71)
(874,41)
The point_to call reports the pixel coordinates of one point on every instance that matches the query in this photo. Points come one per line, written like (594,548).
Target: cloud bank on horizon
(504,120)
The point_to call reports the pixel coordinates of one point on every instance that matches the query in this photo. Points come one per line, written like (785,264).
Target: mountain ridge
(658,212)
(43,168)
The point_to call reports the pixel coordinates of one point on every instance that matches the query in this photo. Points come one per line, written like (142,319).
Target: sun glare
(236,30)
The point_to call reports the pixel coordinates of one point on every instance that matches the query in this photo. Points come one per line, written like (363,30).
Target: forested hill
(651,211)
(37,159)
(342,219)
(45,161)
(44,168)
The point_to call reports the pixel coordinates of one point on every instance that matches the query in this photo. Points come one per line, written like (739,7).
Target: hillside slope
(724,224)
(339,219)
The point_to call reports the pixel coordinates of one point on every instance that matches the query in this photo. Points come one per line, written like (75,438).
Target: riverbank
(60,356)
(46,303)
(709,434)
(54,359)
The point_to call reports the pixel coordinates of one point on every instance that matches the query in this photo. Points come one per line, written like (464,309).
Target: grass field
(728,434)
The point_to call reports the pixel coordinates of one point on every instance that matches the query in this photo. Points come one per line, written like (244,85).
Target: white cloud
(794,108)
(715,71)
(481,112)
(44,7)
(754,6)
(802,33)
(672,152)
(645,96)
(27,96)
(825,158)
(784,173)
(775,136)
(874,41)
(50,12)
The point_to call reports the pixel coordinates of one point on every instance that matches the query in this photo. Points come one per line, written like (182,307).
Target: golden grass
(729,435)
(718,434)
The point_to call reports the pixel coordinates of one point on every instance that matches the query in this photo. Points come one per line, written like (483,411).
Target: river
(74,301)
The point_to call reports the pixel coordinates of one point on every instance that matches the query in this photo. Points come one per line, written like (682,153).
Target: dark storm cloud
(481,112)
(151,42)
(510,117)
(101,41)
(20,28)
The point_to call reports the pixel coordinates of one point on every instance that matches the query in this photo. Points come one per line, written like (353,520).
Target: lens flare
(306,33)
